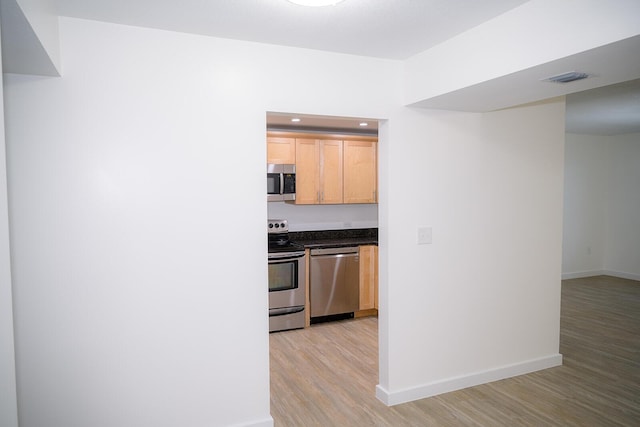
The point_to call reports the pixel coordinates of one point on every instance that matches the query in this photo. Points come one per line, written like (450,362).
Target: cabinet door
(375,276)
(368,277)
(360,172)
(330,171)
(281,150)
(307,172)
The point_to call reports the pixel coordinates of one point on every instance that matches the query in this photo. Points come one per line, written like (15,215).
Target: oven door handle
(285,310)
(285,256)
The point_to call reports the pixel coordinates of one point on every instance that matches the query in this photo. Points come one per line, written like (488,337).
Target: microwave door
(281,182)
(274,183)
(274,187)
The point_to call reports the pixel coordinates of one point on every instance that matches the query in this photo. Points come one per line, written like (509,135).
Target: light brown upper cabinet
(319,169)
(330,168)
(281,150)
(331,173)
(307,172)
(360,172)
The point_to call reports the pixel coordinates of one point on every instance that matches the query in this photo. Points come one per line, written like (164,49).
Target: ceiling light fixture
(295,120)
(315,3)
(363,124)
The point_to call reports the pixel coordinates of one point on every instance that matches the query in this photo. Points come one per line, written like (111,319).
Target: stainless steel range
(287,275)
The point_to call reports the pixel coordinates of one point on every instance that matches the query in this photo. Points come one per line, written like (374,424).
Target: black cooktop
(281,243)
(278,233)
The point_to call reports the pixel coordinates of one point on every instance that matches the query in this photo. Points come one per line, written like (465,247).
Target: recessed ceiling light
(295,120)
(363,124)
(315,3)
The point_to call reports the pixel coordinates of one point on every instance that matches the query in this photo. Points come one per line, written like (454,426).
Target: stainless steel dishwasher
(334,281)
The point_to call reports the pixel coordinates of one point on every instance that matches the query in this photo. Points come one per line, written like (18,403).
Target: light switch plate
(424,236)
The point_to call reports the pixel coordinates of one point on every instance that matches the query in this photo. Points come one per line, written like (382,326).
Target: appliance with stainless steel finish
(281,182)
(334,281)
(287,278)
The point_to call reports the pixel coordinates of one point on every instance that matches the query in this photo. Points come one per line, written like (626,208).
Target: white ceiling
(394,29)
(307,122)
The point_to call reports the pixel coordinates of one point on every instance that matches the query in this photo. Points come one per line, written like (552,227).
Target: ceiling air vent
(571,76)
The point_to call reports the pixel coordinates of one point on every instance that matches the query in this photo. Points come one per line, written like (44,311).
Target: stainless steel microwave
(281,182)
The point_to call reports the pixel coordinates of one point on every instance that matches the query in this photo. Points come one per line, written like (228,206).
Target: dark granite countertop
(335,238)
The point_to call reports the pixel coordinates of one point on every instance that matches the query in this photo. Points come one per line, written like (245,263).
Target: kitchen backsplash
(324,217)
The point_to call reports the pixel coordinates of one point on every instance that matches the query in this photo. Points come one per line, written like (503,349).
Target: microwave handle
(281,183)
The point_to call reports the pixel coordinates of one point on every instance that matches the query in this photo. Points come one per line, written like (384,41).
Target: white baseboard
(582,274)
(457,383)
(621,274)
(267,422)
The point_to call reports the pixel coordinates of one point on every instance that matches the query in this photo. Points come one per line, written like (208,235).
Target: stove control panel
(277,226)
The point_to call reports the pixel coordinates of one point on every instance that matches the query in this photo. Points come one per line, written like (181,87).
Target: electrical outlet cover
(424,236)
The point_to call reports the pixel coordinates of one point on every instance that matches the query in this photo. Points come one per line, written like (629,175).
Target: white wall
(602,206)
(43,19)
(8,404)
(129,311)
(622,253)
(140,275)
(31,43)
(483,301)
(586,170)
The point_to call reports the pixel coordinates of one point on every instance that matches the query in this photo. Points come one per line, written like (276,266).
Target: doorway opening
(335,204)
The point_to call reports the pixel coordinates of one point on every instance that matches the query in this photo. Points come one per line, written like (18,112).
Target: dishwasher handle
(335,251)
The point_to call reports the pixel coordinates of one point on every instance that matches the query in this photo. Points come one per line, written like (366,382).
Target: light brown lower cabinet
(368,279)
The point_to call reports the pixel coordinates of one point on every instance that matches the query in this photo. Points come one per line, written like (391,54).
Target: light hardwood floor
(326,375)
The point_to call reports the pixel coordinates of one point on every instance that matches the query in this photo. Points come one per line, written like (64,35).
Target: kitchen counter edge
(335,238)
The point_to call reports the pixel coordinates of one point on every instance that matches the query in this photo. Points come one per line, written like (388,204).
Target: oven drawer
(286,318)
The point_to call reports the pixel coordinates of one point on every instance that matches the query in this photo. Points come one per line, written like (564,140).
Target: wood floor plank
(326,375)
